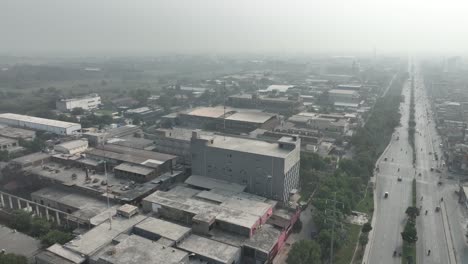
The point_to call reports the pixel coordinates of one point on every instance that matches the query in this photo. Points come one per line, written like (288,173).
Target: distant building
(228,120)
(267,169)
(88,102)
(10,145)
(43,124)
(344,96)
(144,113)
(276,104)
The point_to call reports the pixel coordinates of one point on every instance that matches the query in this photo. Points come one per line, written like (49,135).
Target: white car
(385,195)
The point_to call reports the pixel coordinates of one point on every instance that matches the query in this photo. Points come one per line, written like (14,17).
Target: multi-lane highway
(441,232)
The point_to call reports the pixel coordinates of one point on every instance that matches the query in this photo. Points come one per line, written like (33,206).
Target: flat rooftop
(73,144)
(18,243)
(210,183)
(252,117)
(13,132)
(341,91)
(4,140)
(253,146)
(102,235)
(137,169)
(265,238)
(138,250)
(163,228)
(240,209)
(279,87)
(63,175)
(37,120)
(132,142)
(214,112)
(34,157)
(88,207)
(214,250)
(149,155)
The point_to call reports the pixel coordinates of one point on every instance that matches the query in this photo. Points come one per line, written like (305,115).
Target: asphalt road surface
(441,232)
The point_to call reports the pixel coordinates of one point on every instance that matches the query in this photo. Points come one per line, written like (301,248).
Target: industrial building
(266,169)
(144,113)
(228,120)
(221,214)
(274,104)
(84,207)
(175,141)
(135,164)
(43,124)
(337,96)
(88,102)
(72,147)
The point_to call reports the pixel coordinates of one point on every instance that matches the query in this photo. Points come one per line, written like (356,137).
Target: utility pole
(332,218)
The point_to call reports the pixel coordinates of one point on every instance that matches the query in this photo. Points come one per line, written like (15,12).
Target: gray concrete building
(267,169)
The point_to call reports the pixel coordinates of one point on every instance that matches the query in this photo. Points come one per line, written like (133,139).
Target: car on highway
(385,195)
(399,178)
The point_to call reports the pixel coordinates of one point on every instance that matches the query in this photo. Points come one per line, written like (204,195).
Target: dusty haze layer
(141,27)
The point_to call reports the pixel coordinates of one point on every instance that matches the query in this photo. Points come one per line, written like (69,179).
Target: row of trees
(412,122)
(38,227)
(349,179)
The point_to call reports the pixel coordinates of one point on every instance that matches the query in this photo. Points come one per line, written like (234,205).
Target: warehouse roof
(137,169)
(101,235)
(211,249)
(210,183)
(4,140)
(73,144)
(13,132)
(214,112)
(265,238)
(251,116)
(249,146)
(136,249)
(341,91)
(37,120)
(279,87)
(163,228)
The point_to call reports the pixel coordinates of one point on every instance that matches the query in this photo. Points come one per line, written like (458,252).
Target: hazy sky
(137,27)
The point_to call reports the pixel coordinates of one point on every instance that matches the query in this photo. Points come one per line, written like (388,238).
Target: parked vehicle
(386,195)
(399,178)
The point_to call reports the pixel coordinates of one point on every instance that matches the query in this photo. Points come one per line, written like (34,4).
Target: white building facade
(88,102)
(43,124)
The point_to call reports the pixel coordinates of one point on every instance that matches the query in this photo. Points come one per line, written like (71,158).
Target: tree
(12,259)
(363,239)
(412,212)
(366,228)
(4,155)
(56,236)
(297,226)
(39,227)
(77,111)
(21,221)
(410,233)
(305,252)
